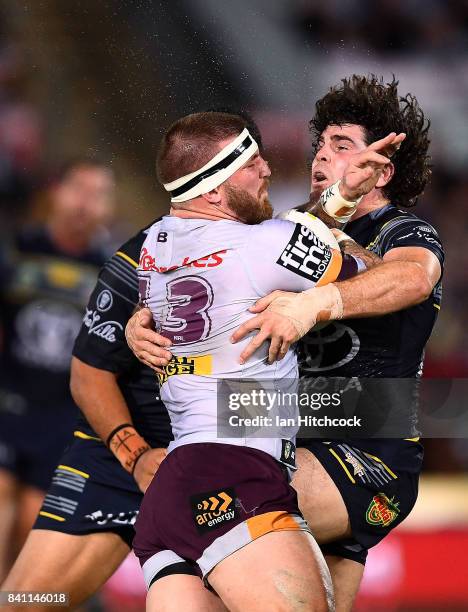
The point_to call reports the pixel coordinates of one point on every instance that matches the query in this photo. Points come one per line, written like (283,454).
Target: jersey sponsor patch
(104,301)
(106,330)
(305,254)
(148,262)
(214,509)
(202,365)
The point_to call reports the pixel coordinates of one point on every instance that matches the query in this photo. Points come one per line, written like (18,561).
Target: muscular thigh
(280,571)
(75,564)
(319,499)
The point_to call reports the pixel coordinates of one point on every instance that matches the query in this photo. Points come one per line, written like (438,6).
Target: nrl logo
(382,510)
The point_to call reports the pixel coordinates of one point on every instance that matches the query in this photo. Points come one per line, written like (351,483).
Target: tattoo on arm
(353,248)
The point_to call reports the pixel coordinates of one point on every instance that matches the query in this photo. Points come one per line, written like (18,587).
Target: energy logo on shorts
(212,510)
(382,510)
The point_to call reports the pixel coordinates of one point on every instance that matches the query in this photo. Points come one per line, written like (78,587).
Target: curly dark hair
(376,106)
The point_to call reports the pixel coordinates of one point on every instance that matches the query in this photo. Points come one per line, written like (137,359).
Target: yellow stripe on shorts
(338,458)
(75,471)
(83,436)
(52,516)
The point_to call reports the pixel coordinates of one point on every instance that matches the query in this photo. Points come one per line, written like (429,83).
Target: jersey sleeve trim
(127,258)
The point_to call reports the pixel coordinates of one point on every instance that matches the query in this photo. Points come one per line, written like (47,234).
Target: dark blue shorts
(90,492)
(379,491)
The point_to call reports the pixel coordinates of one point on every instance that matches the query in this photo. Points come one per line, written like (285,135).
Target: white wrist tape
(304,309)
(334,204)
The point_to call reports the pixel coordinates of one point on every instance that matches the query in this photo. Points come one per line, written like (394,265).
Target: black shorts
(32,441)
(91,492)
(206,501)
(379,491)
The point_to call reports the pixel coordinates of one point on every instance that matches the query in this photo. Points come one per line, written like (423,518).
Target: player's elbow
(76,380)
(421,284)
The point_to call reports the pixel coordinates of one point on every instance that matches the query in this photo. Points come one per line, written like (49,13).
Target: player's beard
(246,207)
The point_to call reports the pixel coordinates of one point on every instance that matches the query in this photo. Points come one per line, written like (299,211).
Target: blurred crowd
(390,27)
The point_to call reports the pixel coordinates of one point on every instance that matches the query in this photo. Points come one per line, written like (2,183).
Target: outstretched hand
(365,168)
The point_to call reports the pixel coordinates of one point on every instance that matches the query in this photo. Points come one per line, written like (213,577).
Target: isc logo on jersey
(305,254)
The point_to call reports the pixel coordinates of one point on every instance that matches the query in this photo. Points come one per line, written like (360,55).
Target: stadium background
(106,77)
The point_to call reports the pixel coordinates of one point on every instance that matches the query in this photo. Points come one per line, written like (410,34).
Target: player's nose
(265,171)
(322,154)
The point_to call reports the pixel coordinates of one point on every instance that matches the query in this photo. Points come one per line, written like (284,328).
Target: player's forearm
(350,247)
(386,288)
(98,396)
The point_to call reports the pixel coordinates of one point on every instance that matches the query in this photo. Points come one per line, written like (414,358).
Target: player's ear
(213,196)
(386,176)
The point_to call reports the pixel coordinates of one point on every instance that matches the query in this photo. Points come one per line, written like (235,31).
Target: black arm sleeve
(410,232)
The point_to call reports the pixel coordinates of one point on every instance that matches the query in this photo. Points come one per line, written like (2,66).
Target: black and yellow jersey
(101,343)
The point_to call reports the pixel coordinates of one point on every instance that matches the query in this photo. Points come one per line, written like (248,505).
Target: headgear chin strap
(216,171)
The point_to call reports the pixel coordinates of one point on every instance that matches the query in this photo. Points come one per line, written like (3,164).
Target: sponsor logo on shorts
(214,509)
(305,254)
(382,510)
(121,518)
(357,466)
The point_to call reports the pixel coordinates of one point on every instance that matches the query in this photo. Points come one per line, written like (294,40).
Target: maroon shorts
(206,501)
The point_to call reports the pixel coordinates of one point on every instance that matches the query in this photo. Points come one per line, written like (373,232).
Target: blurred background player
(48,270)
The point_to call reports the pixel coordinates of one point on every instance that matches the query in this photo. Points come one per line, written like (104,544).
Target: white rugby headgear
(223,165)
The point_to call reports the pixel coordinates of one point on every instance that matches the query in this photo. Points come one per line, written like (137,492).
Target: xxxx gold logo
(201,365)
(382,510)
(211,510)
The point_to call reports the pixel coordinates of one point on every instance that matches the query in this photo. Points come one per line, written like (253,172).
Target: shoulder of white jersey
(287,220)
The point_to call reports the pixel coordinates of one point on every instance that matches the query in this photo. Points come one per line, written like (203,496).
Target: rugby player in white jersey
(201,268)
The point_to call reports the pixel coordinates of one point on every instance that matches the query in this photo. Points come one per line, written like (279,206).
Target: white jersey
(199,278)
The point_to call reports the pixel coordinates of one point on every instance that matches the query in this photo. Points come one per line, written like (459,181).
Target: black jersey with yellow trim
(101,343)
(391,345)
